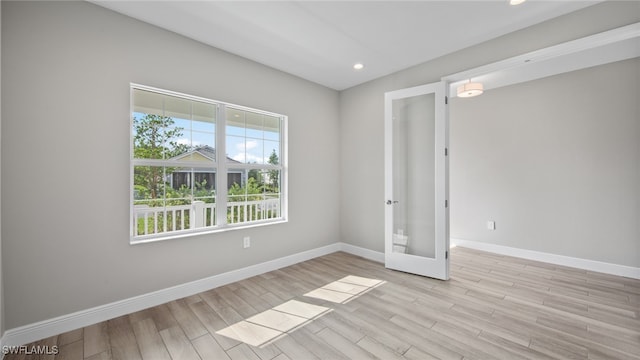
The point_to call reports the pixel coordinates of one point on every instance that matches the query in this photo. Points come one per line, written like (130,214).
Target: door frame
(437,267)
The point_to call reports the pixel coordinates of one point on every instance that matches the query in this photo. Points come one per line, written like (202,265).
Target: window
(199,165)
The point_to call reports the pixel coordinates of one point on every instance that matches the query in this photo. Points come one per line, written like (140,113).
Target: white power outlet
(491,225)
(246,242)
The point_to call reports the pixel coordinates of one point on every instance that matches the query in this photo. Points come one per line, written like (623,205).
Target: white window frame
(221,168)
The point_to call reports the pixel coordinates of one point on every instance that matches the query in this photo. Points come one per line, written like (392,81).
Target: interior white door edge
(417,180)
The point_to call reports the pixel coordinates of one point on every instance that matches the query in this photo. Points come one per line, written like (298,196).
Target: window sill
(192,233)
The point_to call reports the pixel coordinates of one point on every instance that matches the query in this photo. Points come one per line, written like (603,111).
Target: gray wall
(362,141)
(65,158)
(555,162)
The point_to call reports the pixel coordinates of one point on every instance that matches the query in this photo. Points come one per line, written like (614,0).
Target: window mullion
(221,170)
(284,176)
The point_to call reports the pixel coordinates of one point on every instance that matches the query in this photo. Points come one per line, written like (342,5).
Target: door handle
(389,202)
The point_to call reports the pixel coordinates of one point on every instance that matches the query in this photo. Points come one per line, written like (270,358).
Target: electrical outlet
(246,242)
(491,225)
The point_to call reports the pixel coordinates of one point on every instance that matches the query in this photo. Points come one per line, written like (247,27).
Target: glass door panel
(414,175)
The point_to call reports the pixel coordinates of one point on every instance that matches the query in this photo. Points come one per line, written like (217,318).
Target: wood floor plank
(521,350)
(412,335)
(469,347)
(376,329)
(71,351)
(416,354)
(242,352)
(48,345)
(316,345)
(493,307)
(105,355)
(149,341)
(280,290)
(252,299)
(487,323)
(377,349)
(267,352)
(240,306)
(140,315)
(282,357)
(188,321)
(178,344)
(556,348)
(343,345)
(70,337)
(251,285)
(96,339)
(608,354)
(273,299)
(122,339)
(213,323)
(294,349)
(229,315)
(162,317)
(208,348)
(342,326)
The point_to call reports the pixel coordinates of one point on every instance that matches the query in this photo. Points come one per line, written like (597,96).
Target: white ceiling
(321,40)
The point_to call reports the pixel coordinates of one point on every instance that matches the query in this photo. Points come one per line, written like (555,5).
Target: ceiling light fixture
(358,66)
(470,89)
(516,2)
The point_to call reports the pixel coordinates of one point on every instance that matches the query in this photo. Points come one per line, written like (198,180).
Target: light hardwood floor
(494,307)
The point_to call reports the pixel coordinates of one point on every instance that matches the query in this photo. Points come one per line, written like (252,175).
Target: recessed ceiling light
(358,66)
(516,2)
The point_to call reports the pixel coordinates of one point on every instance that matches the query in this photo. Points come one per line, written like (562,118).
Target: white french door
(417,180)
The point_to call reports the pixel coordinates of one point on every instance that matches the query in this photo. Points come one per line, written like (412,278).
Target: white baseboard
(43,329)
(585,264)
(362,252)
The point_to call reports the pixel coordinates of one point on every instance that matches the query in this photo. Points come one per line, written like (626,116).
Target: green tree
(155,139)
(274,174)
(255,174)
(251,191)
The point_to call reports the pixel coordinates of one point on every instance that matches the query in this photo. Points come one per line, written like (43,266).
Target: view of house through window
(201,165)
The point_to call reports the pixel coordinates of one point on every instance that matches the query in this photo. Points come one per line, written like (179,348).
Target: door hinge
(446,100)
(446,203)
(446,254)
(446,152)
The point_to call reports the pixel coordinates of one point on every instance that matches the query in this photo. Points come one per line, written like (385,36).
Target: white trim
(598,49)
(199,99)
(222,181)
(585,264)
(43,329)
(372,255)
(146,239)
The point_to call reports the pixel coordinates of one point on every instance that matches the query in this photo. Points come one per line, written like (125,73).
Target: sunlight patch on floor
(344,290)
(269,325)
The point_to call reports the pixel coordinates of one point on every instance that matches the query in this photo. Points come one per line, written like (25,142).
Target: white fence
(154,220)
